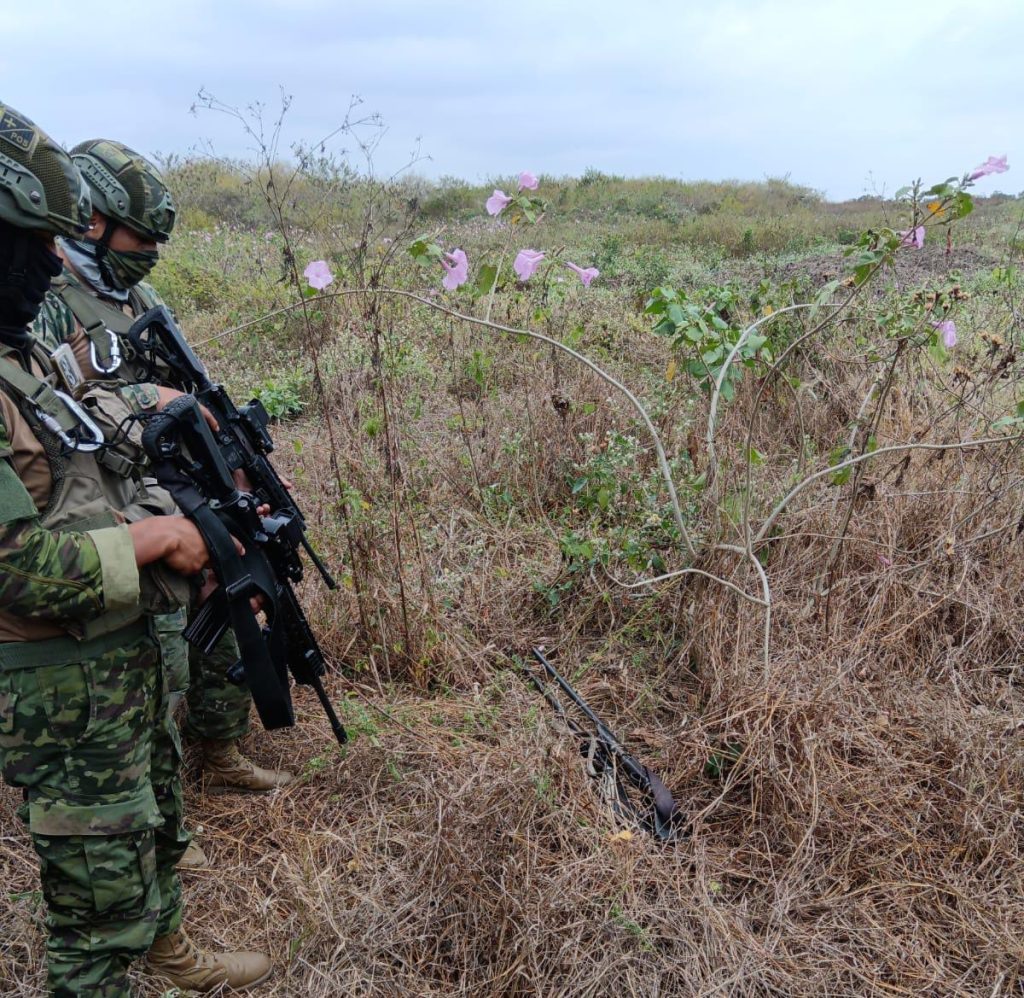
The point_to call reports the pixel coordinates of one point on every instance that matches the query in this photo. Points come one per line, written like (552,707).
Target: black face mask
(27,266)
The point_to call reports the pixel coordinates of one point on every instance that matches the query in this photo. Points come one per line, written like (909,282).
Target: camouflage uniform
(217,708)
(86,735)
(84,726)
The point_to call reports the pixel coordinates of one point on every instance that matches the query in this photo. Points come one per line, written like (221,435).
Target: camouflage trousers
(217,708)
(92,745)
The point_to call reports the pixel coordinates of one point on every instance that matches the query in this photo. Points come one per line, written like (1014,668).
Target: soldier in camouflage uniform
(90,307)
(84,729)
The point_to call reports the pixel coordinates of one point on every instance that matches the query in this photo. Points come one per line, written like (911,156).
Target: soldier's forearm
(49,575)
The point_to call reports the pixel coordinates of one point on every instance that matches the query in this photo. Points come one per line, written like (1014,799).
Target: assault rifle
(606,756)
(189,462)
(155,340)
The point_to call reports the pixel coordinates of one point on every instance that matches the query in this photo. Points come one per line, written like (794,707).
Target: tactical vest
(105,326)
(89,481)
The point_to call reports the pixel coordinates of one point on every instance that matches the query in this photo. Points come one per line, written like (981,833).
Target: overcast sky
(846,97)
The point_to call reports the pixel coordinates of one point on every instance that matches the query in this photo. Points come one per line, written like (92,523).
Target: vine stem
(690,571)
(720,380)
(774,370)
(850,462)
(666,472)
(766,594)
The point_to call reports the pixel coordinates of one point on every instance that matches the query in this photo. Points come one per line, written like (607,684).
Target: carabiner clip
(115,354)
(85,422)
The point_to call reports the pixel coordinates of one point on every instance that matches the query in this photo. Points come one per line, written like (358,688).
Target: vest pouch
(97,522)
(118,421)
(79,513)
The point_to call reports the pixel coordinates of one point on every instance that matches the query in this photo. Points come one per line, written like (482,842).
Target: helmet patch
(18,131)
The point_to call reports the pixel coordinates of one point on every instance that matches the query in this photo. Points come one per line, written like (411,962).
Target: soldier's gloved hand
(168,395)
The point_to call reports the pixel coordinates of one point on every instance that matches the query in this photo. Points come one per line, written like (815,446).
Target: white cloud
(825,92)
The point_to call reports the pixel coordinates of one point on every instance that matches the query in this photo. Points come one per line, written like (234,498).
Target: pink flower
(457,269)
(994,164)
(527,181)
(496,203)
(526,262)
(884,562)
(318,274)
(913,237)
(586,275)
(948,329)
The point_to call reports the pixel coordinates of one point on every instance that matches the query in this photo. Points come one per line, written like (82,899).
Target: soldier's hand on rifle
(174,540)
(245,485)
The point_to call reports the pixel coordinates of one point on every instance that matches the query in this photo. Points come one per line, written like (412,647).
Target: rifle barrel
(602,729)
(336,726)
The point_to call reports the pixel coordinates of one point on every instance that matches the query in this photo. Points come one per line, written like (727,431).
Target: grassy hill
(826,674)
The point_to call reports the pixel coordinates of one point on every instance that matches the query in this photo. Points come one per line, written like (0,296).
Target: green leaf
(755,457)
(963,205)
(826,292)
(486,278)
(838,455)
(423,249)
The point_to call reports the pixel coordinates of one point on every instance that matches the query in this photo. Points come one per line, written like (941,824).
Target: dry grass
(859,831)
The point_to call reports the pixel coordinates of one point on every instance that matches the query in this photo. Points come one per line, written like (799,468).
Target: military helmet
(126,187)
(40,188)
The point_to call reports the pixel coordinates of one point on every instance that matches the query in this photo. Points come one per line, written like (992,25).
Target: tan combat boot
(193,858)
(228,770)
(177,959)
